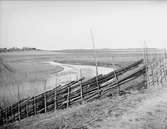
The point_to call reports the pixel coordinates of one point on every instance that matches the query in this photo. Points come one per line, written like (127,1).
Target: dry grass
(28,76)
(139,110)
(76,117)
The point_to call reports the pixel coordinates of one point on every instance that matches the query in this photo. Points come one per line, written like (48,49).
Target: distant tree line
(17,49)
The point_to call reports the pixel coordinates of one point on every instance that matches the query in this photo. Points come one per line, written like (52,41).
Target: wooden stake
(6,113)
(4,116)
(81,89)
(34,105)
(18,88)
(20,110)
(11,112)
(27,107)
(146,64)
(55,99)
(164,65)
(68,97)
(95,57)
(116,78)
(45,105)
(55,95)
(152,71)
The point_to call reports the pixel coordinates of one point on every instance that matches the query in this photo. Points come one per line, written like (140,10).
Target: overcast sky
(66,24)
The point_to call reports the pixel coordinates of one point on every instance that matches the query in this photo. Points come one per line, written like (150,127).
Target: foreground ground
(146,109)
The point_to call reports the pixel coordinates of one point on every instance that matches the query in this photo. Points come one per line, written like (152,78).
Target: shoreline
(72,72)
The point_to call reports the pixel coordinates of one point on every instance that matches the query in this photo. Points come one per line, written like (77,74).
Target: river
(73,72)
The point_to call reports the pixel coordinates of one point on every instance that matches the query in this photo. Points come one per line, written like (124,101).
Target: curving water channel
(73,72)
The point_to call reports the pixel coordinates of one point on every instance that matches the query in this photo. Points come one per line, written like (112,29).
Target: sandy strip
(73,72)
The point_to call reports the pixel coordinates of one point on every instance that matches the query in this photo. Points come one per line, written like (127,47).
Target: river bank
(72,72)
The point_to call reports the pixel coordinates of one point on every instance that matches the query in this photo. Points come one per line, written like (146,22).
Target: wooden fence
(72,93)
(156,69)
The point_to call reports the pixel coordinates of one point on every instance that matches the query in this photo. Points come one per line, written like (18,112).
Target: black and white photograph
(83,64)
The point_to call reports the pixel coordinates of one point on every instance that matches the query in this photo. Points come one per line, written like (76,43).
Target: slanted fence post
(95,57)
(34,103)
(1,116)
(19,110)
(18,88)
(45,103)
(68,96)
(27,107)
(14,116)
(116,77)
(81,89)
(146,65)
(119,89)
(11,113)
(165,65)
(99,88)
(45,108)
(55,94)
(152,73)
(4,116)
(6,113)
(161,72)
(98,85)
(55,98)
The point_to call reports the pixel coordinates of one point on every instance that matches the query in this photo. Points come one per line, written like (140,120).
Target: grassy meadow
(28,70)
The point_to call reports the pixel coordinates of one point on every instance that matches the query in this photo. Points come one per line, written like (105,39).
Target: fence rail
(69,94)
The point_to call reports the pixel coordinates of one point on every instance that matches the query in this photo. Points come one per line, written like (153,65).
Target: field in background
(29,70)
(85,56)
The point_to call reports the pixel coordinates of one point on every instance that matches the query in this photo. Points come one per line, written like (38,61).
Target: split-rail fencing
(72,93)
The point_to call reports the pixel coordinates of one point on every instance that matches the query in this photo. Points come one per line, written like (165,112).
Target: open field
(30,70)
(104,57)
